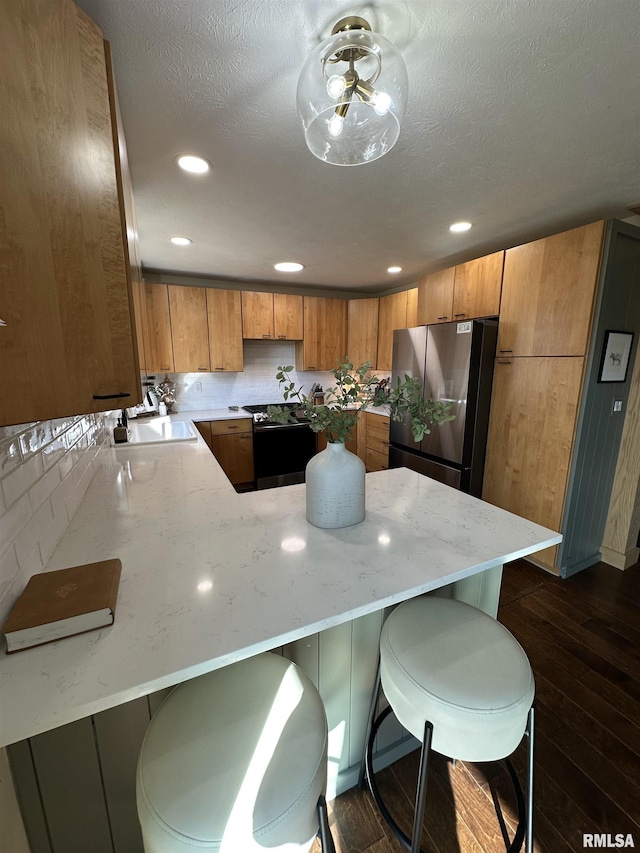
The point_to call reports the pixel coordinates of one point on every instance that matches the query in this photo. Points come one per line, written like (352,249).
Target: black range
(280,451)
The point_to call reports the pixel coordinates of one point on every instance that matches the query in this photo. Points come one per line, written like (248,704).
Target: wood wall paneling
(362,335)
(548,294)
(158,328)
(224,313)
(189,329)
(435,297)
(476,287)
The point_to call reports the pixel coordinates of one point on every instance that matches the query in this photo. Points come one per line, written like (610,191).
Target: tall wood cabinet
(69,342)
(325,334)
(548,297)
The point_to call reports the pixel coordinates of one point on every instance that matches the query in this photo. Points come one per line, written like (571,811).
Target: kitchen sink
(161,432)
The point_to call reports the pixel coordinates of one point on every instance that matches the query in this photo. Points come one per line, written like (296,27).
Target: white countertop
(210,576)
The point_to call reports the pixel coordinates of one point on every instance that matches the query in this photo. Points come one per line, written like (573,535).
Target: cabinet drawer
(232,425)
(378,439)
(376,461)
(378,421)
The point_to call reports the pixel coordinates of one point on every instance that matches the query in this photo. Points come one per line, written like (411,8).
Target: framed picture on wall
(615,356)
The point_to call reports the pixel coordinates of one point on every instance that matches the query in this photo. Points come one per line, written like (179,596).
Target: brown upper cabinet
(362,339)
(159,348)
(462,292)
(189,329)
(412,308)
(325,334)
(68,343)
(548,294)
(476,287)
(224,313)
(392,315)
(271,316)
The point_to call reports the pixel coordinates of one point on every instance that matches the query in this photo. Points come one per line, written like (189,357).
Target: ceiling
(523,118)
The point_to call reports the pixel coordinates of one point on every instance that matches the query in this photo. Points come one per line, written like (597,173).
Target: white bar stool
(236,761)
(460,683)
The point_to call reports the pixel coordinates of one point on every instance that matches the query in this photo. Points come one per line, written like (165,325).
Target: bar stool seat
(450,663)
(460,682)
(235,760)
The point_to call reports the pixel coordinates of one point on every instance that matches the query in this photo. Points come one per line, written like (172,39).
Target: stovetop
(260,415)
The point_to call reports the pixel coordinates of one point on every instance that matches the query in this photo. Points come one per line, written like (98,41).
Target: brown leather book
(62,603)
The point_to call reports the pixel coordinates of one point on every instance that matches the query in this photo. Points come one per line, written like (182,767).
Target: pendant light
(352,94)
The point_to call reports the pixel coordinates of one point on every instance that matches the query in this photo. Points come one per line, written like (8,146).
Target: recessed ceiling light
(458,227)
(191,163)
(394,270)
(181,241)
(288,266)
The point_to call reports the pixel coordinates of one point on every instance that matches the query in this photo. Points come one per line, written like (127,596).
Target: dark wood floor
(582,636)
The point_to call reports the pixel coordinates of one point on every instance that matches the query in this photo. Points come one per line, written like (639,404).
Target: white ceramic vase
(335,480)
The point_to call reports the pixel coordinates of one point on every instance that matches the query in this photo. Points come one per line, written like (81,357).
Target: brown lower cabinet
(376,442)
(231,442)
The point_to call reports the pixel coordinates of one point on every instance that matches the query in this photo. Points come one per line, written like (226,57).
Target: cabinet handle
(310,367)
(443,318)
(460,315)
(246,436)
(266,336)
(219,368)
(505,350)
(504,361)
(165,368)
(282,337)
(233,426)
(203,369)
(111,396)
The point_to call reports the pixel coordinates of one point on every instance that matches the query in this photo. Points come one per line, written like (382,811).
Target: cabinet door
(548,293)
(158,328)
(204,428)
(476,288)
(325,334)
(534,404)
(68,343)
(287,317)
(363,331)
(435,297)
(412,308)
(235,455)
(392,315)
(224,314)
(139,314)
(189,329)
(257,315)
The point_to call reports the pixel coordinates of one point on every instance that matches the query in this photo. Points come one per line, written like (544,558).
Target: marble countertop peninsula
(210,576)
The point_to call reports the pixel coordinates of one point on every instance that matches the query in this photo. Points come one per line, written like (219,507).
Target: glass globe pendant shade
(352,94)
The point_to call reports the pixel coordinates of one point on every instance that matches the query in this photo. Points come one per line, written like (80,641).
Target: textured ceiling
(523,118)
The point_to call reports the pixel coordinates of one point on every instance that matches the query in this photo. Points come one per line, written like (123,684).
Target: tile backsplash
(256,384)
(45,468)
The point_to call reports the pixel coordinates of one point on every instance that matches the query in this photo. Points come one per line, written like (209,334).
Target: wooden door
(325,334)
(224,313)
(287,317)
(362,337)
(392,315)
(534,406)
(435,297)
(235,455)
(189,329)
(257,315)
(476,288)
(548,294)
(158,328)
(68,343)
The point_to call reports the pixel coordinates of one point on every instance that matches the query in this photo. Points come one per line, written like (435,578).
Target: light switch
(197,387)
(617,405)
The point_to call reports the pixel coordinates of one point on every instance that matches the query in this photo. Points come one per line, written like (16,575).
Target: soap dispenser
(120,433)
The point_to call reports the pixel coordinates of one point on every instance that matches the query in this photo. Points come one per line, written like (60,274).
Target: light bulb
(381,101)
(336,84)
(336,123)
(181,241)
(191,163)
(459,227)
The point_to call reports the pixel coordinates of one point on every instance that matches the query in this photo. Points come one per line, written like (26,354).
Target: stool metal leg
(372,709)
(421,793)
(530,756)
(326,839)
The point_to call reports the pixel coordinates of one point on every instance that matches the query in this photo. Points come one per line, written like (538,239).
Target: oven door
(281,453)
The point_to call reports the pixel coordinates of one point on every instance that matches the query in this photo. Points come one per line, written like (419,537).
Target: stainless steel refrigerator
(454,362)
